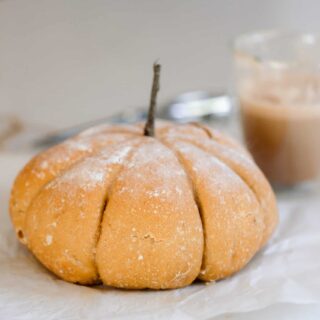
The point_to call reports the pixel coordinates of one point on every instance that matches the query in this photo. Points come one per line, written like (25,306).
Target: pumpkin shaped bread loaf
(114,206)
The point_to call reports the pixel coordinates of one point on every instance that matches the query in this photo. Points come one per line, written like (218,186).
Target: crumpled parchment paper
(286,270)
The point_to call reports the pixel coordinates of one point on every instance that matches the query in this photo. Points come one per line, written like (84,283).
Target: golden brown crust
(138,212)
(226,141)
(151,232)
(63,234)
(245,167)
(47,165)
(230,213)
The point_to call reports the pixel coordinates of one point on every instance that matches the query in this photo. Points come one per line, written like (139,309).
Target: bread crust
(113,206)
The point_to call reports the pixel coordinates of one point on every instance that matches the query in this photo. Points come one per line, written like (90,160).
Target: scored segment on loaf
(151,232)
(229,210)
(49,164)
(64,233)
(245,168)
(131,211)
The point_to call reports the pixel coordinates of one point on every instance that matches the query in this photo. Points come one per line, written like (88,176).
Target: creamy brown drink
(281,122)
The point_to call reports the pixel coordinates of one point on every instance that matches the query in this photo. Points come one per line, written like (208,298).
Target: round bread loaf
(116,207)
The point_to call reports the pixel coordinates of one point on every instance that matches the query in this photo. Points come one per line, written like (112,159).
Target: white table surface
(10,164)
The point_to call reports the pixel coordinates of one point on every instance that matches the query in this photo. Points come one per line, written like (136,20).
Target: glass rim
(243,44)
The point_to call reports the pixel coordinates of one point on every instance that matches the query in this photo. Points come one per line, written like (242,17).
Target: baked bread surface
(115,207)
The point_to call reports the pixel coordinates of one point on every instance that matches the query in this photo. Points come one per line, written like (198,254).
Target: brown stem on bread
(149,127)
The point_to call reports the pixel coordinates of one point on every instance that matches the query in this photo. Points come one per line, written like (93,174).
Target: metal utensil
(190,106)
(197,106)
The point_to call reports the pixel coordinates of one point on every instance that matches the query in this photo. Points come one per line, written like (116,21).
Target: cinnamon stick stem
(149,127)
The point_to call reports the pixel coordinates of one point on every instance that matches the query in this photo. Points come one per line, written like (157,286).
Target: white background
(64,62)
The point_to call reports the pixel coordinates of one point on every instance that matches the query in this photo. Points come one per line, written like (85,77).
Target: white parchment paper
(286,270)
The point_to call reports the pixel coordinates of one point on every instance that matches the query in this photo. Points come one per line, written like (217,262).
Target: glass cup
(278,89)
